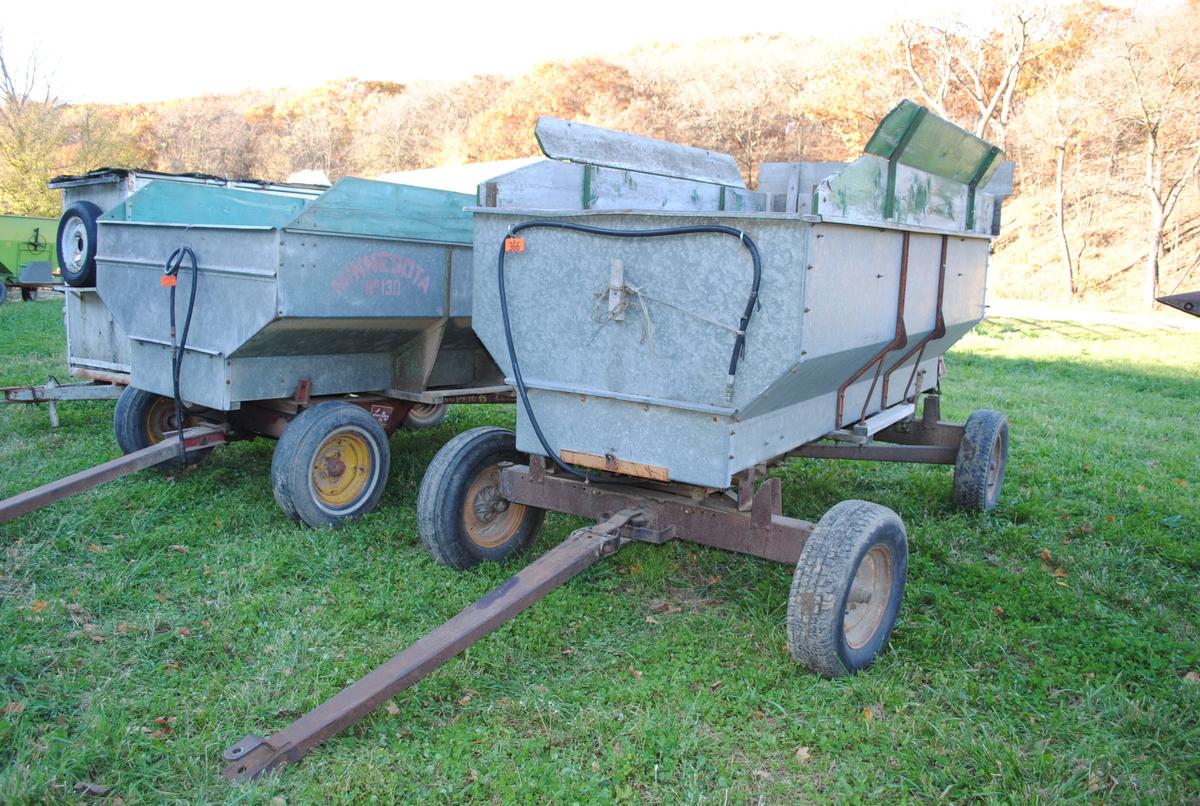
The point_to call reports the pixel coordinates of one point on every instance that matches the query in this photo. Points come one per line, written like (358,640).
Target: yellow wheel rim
(342,469)
(489,519)
(160,418)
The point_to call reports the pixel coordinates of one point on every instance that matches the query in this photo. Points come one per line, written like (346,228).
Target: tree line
(1099,106)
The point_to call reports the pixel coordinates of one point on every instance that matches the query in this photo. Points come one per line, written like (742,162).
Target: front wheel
(462,516)
(847,588)
(331,465)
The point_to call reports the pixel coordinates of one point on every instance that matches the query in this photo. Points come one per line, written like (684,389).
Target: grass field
(1046,652)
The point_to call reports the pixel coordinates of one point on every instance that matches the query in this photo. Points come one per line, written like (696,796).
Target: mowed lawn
(1046,652)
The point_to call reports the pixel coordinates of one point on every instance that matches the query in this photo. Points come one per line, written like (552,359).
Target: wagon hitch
(255,755)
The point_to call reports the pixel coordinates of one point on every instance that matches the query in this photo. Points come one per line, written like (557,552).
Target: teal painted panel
(937,146)
(203,205)
(386,210)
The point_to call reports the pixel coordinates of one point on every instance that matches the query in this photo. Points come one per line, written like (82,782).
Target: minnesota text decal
(383,274)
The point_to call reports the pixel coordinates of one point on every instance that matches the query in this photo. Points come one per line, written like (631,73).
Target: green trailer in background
(27,254)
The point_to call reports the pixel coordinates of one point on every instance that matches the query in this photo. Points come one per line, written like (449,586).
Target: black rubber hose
(739,345)
(172,270)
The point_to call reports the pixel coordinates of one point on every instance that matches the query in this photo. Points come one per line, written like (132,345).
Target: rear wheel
(77,243)
(462,516)
(982,460)
(847,588)
(331,465)
(142,418)
(425,415)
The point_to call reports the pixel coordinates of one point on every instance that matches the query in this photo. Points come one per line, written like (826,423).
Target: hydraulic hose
(171,270)
(739,344)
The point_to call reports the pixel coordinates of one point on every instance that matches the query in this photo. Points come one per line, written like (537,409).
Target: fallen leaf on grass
(868,714)
(125,627)
(38,605)
(95,548)
(14,708)
(160,596)
(393,709)
(179,548)
(715,685)
(172,666)
(635,672)
(652,620)
(664,608)
(1192,677)
(186,632)
(1182,482)
(1059,573)
(91,789)
(999,611)
(467,696)
(803,754)
(167,723)
(1046,557)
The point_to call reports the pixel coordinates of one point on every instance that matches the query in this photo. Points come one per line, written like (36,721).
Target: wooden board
(579,142)
(615,465)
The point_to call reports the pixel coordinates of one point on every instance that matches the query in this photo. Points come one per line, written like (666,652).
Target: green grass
(661,675)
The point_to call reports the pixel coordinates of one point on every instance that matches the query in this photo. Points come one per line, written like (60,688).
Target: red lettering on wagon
(384,274)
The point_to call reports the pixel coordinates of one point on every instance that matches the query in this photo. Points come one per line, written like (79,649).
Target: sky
(135,50)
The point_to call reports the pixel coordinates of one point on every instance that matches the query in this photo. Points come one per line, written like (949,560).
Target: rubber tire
(130,426)
(441,500)
(422,416)
(985,434)
(822,581)
(83,275)
(29,295)
(291,464)
(3,293)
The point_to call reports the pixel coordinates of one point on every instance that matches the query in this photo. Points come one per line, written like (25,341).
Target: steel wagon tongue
(672,333)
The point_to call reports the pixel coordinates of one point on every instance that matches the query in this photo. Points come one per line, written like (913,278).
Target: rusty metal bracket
(713,520)
(255,755)
(939,330)
(898,341)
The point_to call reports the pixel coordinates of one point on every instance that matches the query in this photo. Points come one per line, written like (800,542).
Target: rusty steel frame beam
(203,436)
(713,520)
(920,454)
(254,755)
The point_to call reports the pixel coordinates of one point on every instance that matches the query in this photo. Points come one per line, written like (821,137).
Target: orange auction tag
(167,280)
(514,244)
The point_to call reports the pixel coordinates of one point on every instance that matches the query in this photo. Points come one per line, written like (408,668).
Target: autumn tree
(590,90)
(31,138)
(1158,101)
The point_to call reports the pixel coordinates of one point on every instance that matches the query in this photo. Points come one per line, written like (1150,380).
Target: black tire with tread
(985,438)
(83,275)
(132,428)
(442,499)
(291,463)
(823,579)
(422,416)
